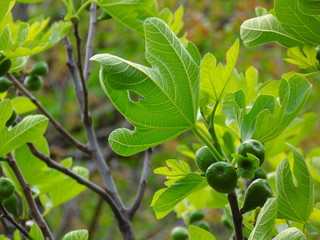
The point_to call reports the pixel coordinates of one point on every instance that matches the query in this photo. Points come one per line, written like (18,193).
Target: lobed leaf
(295,189)
(265,221)
(165,200)
(169,90)
(215,78)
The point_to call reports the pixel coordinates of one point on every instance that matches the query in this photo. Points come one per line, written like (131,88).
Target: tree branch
(92,186)
(90,38)
(85,108)
(143,182)
(236,215)
(33,209)
(14,222)
(54,122)
(93,145)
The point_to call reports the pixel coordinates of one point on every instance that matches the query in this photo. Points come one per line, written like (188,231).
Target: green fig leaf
(295,189)
(292,234)
(169,90)
(265,221)
(196,233)
(77,235)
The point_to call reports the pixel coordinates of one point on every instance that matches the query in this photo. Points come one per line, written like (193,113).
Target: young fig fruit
(5,84)
(33,82)
(257,194)
(222,177)
(40,69)
(11,204)
(196,215)
(5,65)
(204,158)
(179,233)
(6,188)
(254,147)
(259,173)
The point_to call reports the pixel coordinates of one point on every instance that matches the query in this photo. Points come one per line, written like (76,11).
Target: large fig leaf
(303,26)
(169,90)
(264,29)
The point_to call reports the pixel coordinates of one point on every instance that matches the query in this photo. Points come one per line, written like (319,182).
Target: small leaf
(197,233)
(303,59)
(265,221)
(295,189)
(175,193)
(35,232)
(175,170)
(77,235)
(292,234)
(215,78)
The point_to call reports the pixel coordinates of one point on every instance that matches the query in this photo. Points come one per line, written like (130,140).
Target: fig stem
(207,143)
(236,215)
(212,130)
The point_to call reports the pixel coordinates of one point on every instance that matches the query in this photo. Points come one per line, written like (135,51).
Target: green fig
(259,173)
(40,69)
(222,177)
(254,147)
(256,195)
(196,215)
(6,188)
(5,84)
(5,65)
(33,82)
(204,158)
(11,204)
(179,233)
(202,224)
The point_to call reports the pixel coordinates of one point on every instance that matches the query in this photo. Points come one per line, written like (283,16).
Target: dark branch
(33,209)
(14,222)
(236,215)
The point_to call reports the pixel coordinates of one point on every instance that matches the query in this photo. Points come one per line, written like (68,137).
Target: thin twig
(54,122)
(95,151)
(236,215)
(143,182)
(92,186)
(33,209)
(85,109)
(14,222)
(95,219)
(90,38)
